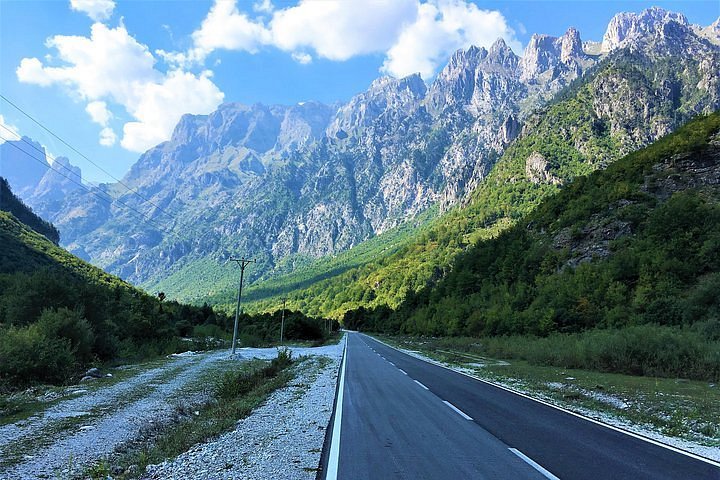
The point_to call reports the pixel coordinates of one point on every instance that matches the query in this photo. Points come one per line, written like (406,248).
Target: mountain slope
(290,184)
(59,313)
(620,105)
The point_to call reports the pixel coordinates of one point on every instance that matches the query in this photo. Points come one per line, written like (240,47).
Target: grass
(235,395)
(675,407)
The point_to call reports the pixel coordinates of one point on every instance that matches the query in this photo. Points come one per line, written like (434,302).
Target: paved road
(405,418)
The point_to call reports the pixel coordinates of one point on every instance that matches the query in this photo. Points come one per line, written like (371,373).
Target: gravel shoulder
(72,434)
(282,439)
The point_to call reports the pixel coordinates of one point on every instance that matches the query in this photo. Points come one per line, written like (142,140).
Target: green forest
(59,314)
(619,271)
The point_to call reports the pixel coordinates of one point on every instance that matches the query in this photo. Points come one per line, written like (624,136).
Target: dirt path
(70,435)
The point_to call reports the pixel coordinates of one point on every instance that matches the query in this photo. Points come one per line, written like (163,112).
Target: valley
(504,265)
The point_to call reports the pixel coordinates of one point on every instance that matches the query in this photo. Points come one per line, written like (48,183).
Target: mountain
(635,243)
(633,96)
(291,184)
(24,164)
(12,204)
(19,169)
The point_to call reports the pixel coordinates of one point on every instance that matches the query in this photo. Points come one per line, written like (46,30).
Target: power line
(130,189)
(107,199)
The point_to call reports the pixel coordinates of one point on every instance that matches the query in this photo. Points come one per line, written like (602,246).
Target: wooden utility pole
(243,262)
(282,321)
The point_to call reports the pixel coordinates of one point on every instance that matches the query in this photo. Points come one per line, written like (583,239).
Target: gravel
(282,439)
(73,434)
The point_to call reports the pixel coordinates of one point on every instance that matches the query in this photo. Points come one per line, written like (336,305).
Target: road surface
(403,418)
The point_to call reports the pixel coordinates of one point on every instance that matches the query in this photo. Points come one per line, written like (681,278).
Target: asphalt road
(403,418)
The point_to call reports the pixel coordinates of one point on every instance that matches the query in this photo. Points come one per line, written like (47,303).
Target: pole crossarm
(242,262)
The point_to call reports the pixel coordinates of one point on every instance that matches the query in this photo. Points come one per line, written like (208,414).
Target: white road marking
(426,388)
(592,420)
(403,371)
(462,414)
(534,464)
(334,456)
(391,363)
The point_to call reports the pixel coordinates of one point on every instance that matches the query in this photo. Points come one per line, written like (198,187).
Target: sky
(112,78)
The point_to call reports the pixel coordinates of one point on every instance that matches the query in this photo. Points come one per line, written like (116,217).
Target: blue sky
(112,78)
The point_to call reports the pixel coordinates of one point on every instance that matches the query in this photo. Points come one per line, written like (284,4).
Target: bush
(29,356)
(236,384)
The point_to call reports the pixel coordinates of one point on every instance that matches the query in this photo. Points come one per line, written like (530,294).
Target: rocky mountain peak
(57,182)
(570,45)
(502,55)
(546,53)
(625,27)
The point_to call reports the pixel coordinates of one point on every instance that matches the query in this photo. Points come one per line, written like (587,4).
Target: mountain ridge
(411,146)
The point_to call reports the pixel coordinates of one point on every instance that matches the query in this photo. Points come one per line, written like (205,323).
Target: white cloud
(11,132)
(339,30)
(264,6)
(302,58)
(227,28)
(441,28)
(160,106)
(98,10)
(111,67)
(99,112)
(414,35)
(107,137)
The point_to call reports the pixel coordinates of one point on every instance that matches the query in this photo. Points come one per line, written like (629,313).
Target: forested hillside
(59,314)
(616,108)
(629,255)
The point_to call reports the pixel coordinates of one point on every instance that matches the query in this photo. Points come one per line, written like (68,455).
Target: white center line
(462,414)
(403,371)
(426,388)
(534,464)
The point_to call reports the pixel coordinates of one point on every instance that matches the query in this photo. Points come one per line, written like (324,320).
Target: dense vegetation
(569,133)
(10,203)
(59,314)
(618,271)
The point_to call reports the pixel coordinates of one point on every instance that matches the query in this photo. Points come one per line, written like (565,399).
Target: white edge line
(402,371)
(534,464)
(462,414)
(556,407)
(423,386)
(334,455)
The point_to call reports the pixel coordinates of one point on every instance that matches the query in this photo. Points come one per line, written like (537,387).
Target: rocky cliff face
(291,183)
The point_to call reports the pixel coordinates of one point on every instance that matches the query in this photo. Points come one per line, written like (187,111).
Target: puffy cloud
(98,10)
(302,58)
(227,28)
(160,106)
(111,67)
(107,137)
(414,35)
(339,30)
(441,28)
(264,6)
(99,112)
(11,132)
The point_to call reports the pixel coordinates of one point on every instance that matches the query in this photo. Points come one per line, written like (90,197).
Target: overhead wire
(108,198)
(120,182)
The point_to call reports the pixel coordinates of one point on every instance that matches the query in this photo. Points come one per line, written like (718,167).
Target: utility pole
(282,321)
(243,262)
